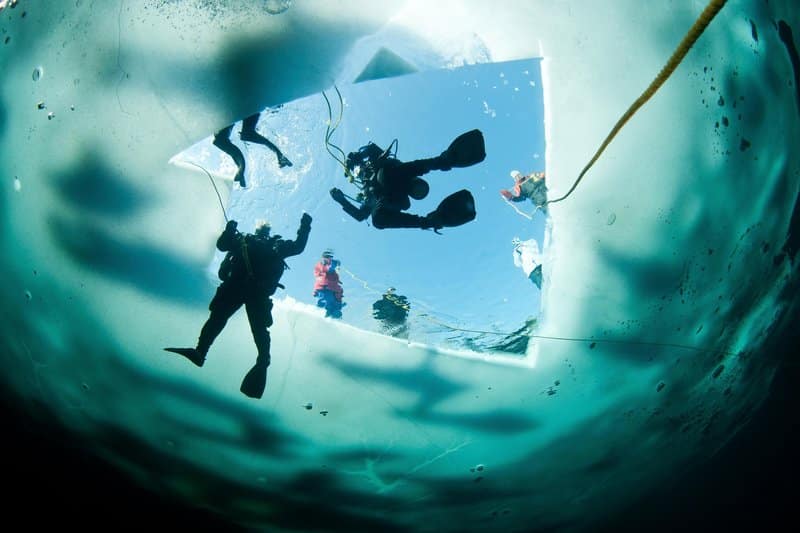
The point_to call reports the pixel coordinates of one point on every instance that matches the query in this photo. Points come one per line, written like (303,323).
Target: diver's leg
(222,140)
(259,313)
(250,134)
(225,303)
(419,167)
(388,218)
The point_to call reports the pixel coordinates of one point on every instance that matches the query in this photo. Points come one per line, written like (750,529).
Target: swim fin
(192,354)
(466,150)
(255,381)
(455,210)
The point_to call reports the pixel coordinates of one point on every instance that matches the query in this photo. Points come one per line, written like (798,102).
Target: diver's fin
(455,210)
(255,381)
(466,150)
(191,354)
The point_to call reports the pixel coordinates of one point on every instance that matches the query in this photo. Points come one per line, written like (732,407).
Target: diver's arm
(296,247)
(358,213)
(228,239)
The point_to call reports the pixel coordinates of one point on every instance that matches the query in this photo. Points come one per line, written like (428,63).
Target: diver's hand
(231,226)
(337,195)
(305,220)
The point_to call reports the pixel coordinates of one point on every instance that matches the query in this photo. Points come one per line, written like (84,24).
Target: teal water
(671,268)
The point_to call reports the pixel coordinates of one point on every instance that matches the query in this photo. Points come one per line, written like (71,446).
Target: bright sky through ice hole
(465,278)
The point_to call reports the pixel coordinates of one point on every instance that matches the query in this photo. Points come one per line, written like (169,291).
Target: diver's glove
(230,228)
(334,264)
(305,220)
(337,195)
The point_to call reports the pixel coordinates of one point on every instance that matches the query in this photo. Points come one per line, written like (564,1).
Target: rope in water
(329,130)
(406,306)
(694,33)
(221,205)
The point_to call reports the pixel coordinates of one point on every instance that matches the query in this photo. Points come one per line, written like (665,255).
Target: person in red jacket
(531,187)
(327,286)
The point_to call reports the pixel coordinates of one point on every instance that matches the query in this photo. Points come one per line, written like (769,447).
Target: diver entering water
(387,183)
(248,133)
(392,311)
(250,274)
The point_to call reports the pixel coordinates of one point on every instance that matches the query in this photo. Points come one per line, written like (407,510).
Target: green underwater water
(673,260)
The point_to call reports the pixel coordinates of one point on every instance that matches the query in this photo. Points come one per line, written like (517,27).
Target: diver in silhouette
(248,133)
(250,274)
(327,286)
(392,310)
(387,183)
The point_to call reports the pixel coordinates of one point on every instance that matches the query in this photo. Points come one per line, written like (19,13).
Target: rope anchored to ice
(713,7)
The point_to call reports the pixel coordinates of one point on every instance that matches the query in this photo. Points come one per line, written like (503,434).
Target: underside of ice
(666,273)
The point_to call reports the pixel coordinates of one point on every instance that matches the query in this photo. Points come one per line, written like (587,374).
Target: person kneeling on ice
(531,187)
(386,184)
(327,286)
(250,274)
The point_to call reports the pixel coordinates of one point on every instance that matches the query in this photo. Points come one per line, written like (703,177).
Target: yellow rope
(330,130)
(391,297)
(714,6)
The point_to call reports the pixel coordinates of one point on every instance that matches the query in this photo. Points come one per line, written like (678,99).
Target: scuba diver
(327,286)
(392,310)
(531,187)
(222,140)
(250,274)
(386,184)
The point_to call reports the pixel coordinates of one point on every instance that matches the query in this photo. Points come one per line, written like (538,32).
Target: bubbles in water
(275,7)
(17,184)
(38,72)
(28,295)
(611,219)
